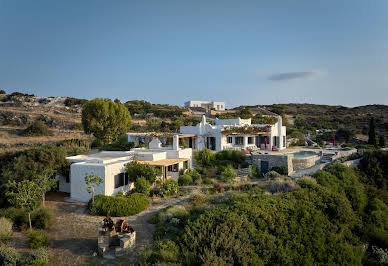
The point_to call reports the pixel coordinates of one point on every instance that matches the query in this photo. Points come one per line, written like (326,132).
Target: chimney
(175,142)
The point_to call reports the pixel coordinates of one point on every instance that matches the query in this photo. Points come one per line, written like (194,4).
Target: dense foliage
(38,128)
(142,186)
(121,144)
(119,206)
(37,239)
(136,170)
(105,119)
(325,220)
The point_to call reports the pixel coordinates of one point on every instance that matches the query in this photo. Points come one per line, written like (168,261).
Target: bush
(228,174)
(205,157)
(165,251)
(119,206)
(160,231)
(281,185)
(2,92)
(154,219)
(121,144)
(169,188)
(272,175)
(18,216)
(42,218)
(38,128)
(142,186)
(198,198)
(282,170)
(39,255)
(207,181)
(5,229)
(254,172)
(136,169)
(173,211)
(8,256)
(37,239)
(185,179)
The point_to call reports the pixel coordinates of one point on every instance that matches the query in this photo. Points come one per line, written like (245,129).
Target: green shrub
(172,211)
(154,219)
(207,181)
(272,175)
(38,128)
(119,206)
(254,172)
(18,216)
(142,186)
(169,188)
(121,144)
(2,92)
(37,263)
(9,256)
(37,239)
(165,251)
(185,179)
(281,185)
(228,174)
(136,169)
(198,198)
(196,176)
(39,255)
(5,229)
(205,157)
(282,170)
(160,231)
(42,218)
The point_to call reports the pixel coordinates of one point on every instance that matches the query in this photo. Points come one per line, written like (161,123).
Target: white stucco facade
(110,166)
(219,106)
(215,137)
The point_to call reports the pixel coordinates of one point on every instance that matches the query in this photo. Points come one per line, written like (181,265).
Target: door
(211,143)
(264,165)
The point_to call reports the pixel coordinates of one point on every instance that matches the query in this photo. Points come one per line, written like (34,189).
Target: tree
(142,186)
(344,134)
(92,181)
(136,170)
(381,141)
(2,92)
(45,182)
(24,194)
(105,119)
(372,132)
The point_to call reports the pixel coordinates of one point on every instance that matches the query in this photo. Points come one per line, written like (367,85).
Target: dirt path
(73,236)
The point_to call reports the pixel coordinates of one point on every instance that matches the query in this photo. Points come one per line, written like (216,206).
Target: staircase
(327,157)
(242,172)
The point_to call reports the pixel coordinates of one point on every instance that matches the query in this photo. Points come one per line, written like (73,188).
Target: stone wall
(273,160)
(303,163)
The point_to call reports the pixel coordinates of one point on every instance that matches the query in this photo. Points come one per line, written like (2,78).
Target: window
(284,141)
(172,168)
(274,141)
(229,140)
(250,140)
(126,179)
(119,180)
(239,140)
(67,175)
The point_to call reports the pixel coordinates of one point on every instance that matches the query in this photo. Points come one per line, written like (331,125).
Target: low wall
(303,163)
(273,160)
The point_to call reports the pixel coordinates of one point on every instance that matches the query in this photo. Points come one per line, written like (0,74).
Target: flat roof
(164,162)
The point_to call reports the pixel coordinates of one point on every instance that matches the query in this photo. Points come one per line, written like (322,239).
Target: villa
(110,166)
(236,134)
(219,106)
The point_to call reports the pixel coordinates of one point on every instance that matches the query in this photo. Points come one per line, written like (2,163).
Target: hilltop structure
(237,134)
(218,106)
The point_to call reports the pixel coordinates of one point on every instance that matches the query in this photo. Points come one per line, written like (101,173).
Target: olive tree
(136,170)
(45,182)
(24,194)
(92,181)
(105,119)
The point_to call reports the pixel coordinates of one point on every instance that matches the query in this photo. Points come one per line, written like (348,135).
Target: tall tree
(372,132)
(45,182)
(92,181)
(24,194)
(105,119)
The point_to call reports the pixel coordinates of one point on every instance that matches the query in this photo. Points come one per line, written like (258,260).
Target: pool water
(304,154)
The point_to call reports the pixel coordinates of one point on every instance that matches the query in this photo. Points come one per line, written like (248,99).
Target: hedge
(119,206)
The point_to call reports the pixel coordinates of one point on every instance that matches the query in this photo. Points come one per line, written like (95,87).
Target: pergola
(164,163)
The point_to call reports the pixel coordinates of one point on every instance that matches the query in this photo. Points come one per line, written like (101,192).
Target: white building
(110,166)
(219,106)
(237,134)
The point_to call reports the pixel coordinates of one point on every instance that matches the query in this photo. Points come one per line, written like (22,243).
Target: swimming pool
(304,154)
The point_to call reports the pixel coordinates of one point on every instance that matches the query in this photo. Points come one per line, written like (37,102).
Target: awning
(165,162)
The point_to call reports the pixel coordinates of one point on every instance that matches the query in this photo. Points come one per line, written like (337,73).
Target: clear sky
(240,52)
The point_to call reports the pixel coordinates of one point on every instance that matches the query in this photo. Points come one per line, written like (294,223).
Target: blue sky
(240,52)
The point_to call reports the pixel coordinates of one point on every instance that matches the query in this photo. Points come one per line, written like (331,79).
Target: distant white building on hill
(219,106)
